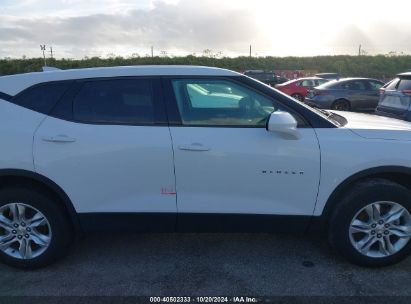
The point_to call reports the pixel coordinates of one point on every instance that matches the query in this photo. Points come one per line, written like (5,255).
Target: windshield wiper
(330,115)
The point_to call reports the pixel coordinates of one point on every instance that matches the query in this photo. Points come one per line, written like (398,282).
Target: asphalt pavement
(205,264)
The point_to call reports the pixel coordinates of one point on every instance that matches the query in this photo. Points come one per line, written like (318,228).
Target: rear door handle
(194,147)
(59,139)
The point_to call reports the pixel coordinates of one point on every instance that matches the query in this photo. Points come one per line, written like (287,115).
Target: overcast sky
(78,28)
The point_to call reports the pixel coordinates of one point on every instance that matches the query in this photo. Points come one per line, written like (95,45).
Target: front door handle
(59,139)
(194,147)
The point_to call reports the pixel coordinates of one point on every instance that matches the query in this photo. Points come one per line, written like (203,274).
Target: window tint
(42,98)
(405,84)
(354,85)
(374,85)
(115,101)
(221,103)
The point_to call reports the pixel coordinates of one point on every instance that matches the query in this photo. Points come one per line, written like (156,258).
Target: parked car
(395,98)
(348,94)
(329,76)
(269,78)
(183,148)
(298,88)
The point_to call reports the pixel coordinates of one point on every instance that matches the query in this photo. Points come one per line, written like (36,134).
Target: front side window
(221,103)
(128,101)
(355,85)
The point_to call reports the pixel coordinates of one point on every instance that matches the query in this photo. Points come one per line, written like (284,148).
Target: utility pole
(43,49)
(250,50)
(51,52)
(152,51)
(359,50)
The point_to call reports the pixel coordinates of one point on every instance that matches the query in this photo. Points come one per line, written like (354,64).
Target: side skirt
(194,222)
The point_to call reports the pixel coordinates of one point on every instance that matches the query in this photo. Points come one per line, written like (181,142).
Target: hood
(376,127)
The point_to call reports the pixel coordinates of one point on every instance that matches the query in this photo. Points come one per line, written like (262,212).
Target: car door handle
(194,147)
(59,139)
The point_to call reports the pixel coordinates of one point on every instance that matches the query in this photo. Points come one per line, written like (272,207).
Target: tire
(297,96)
(344,235)
(45,223)
(341,105)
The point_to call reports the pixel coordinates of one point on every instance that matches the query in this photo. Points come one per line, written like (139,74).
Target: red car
(298,88)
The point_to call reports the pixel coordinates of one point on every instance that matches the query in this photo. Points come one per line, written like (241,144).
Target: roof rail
(48,69)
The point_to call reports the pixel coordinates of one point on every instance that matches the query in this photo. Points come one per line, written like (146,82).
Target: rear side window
(320,81)
(42,98)
(307,83)
(122,101)
(405,84)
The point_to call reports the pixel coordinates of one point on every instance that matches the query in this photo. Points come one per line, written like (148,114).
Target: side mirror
(283,123)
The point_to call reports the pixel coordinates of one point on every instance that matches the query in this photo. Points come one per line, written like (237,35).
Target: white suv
(175,148)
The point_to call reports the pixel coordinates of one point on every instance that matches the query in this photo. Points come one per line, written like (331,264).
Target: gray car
(347,94)
(395,98)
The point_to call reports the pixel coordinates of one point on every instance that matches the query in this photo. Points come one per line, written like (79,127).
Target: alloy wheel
(380,229)
(25,232)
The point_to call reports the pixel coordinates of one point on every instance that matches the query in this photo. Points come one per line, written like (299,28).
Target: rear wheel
(372,224)
(34,230)
(341,105)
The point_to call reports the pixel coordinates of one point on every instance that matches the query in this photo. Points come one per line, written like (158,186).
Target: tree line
(380,66)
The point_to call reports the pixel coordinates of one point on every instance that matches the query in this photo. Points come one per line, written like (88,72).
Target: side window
(307,83)
(354,85)
(128,101)
(221,103)
(42,98)
(320,81)
(374,85)
(405,84)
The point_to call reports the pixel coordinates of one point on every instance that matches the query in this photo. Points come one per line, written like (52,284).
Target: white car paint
(245,170)
(17,126)
(109,168)
(373,126)
(366,141)
(131,168)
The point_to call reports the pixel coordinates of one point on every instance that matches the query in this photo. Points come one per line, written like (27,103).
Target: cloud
(376,38)
(189,26)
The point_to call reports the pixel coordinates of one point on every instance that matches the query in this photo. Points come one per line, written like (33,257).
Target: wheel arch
(341,99)
(33,179)
(398,174)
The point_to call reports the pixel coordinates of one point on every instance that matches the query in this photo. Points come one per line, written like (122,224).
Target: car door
(372,94)
(225,160)
(356,93)
(108,146)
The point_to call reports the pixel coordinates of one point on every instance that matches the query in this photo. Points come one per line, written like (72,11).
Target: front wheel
(371,225)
